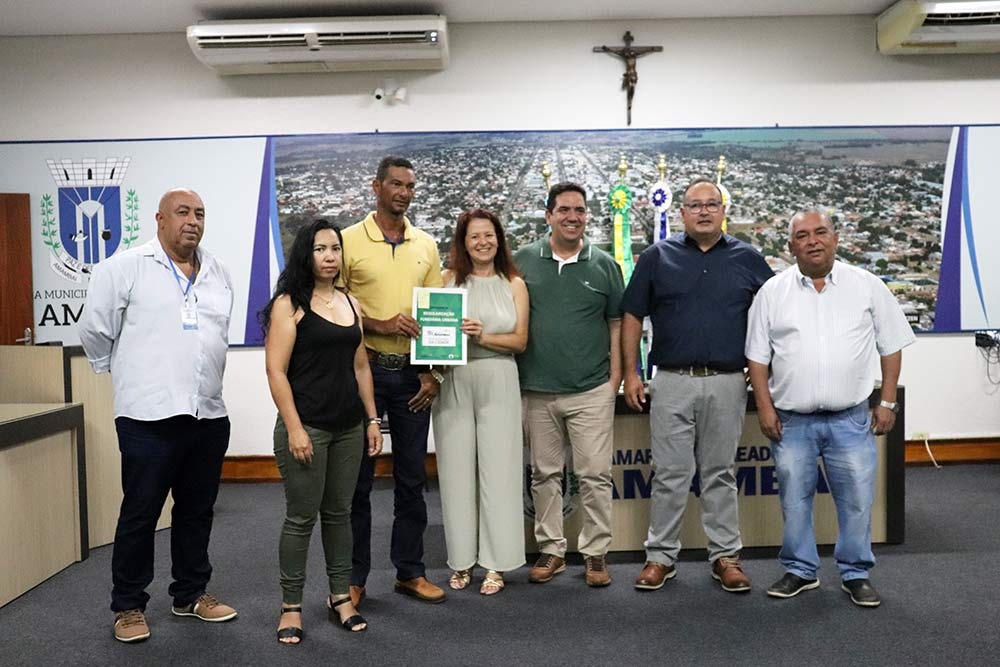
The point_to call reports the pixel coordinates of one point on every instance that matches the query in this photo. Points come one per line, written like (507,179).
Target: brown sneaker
(727,571)
(546,567)
(654,575)
(597,574)
(130,626)
(207,608)
(421,589)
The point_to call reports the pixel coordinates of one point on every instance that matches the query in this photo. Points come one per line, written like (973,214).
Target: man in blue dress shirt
(696,287)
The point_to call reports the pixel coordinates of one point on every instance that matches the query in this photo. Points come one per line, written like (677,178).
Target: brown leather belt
(388,361)
(696,371)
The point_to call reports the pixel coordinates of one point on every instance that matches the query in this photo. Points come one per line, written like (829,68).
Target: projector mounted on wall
(355,44)
(956,26)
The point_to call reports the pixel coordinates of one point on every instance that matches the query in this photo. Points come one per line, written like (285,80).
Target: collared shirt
(569,344)
(132,326)
(572,259)
(823,345)
(697,301)
(382,275)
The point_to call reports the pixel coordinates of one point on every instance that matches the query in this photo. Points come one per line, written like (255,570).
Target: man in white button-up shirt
(157,317)
(820,325)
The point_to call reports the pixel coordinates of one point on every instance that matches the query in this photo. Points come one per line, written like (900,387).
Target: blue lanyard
(177,277)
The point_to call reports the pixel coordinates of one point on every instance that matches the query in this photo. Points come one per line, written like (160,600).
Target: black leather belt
(696,371)
(827,413)
(388,361)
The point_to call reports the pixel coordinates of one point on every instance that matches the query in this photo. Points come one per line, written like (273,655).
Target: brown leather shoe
(357,595)
(421,589)
(597,574)
(654,575)
(727,571)
(546,567)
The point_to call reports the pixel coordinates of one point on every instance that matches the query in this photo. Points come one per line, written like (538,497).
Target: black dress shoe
(862,592)
(791,585)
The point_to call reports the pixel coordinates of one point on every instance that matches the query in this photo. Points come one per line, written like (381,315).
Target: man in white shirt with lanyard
(157,317)
(819,325)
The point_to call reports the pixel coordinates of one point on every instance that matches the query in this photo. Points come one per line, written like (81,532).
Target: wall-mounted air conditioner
(354,44)
(958,26)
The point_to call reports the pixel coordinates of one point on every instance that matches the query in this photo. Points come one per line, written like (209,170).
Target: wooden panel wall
(104,488)
(31,374)
(15,267)
(40,523)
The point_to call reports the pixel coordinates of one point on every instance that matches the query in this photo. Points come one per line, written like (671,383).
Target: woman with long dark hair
(319,377)
(477,417)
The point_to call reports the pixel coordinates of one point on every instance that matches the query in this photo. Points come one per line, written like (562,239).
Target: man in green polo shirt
(570,374)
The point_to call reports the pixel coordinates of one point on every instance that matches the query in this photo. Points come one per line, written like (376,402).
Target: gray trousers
(694,421)
(325,487)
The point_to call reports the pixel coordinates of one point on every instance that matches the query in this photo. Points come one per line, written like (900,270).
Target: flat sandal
(492,583)
(460,579)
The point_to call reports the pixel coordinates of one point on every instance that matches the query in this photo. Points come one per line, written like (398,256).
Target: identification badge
(189,315)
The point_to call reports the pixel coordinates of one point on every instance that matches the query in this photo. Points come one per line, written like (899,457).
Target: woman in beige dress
(477,417)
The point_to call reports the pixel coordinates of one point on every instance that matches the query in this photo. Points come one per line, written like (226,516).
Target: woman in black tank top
(321,383)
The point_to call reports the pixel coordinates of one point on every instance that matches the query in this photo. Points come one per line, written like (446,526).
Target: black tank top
(321,373)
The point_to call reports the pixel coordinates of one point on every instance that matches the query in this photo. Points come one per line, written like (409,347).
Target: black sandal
(291,632)
(349,623)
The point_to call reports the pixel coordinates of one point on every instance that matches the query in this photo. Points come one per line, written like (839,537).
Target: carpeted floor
(941,602)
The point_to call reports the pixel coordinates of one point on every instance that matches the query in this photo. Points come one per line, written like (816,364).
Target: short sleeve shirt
(697,301)
(569,344)
(382,275)
(822,346)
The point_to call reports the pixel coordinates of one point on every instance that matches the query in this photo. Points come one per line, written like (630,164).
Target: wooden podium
(55,374)
(757,482)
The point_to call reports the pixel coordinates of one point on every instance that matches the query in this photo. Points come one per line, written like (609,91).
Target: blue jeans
(408,431)
(845,442)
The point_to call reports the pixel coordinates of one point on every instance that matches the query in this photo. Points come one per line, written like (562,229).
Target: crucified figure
(628,53)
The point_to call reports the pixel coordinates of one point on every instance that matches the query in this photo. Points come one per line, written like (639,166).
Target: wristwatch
(889,405)
(436,374)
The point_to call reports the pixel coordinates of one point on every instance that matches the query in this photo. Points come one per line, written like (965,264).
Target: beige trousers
(587,420)
(477,437)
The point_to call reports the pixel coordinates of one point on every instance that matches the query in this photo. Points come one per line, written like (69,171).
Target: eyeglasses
(710,206)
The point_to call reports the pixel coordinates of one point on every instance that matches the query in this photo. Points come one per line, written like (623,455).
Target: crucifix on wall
(629,53)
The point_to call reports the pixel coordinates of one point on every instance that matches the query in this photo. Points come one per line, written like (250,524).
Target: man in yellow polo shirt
(385,257)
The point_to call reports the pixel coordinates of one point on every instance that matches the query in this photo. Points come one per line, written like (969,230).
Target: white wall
(712,73)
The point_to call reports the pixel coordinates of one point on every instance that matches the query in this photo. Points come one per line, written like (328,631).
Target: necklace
(328,304)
